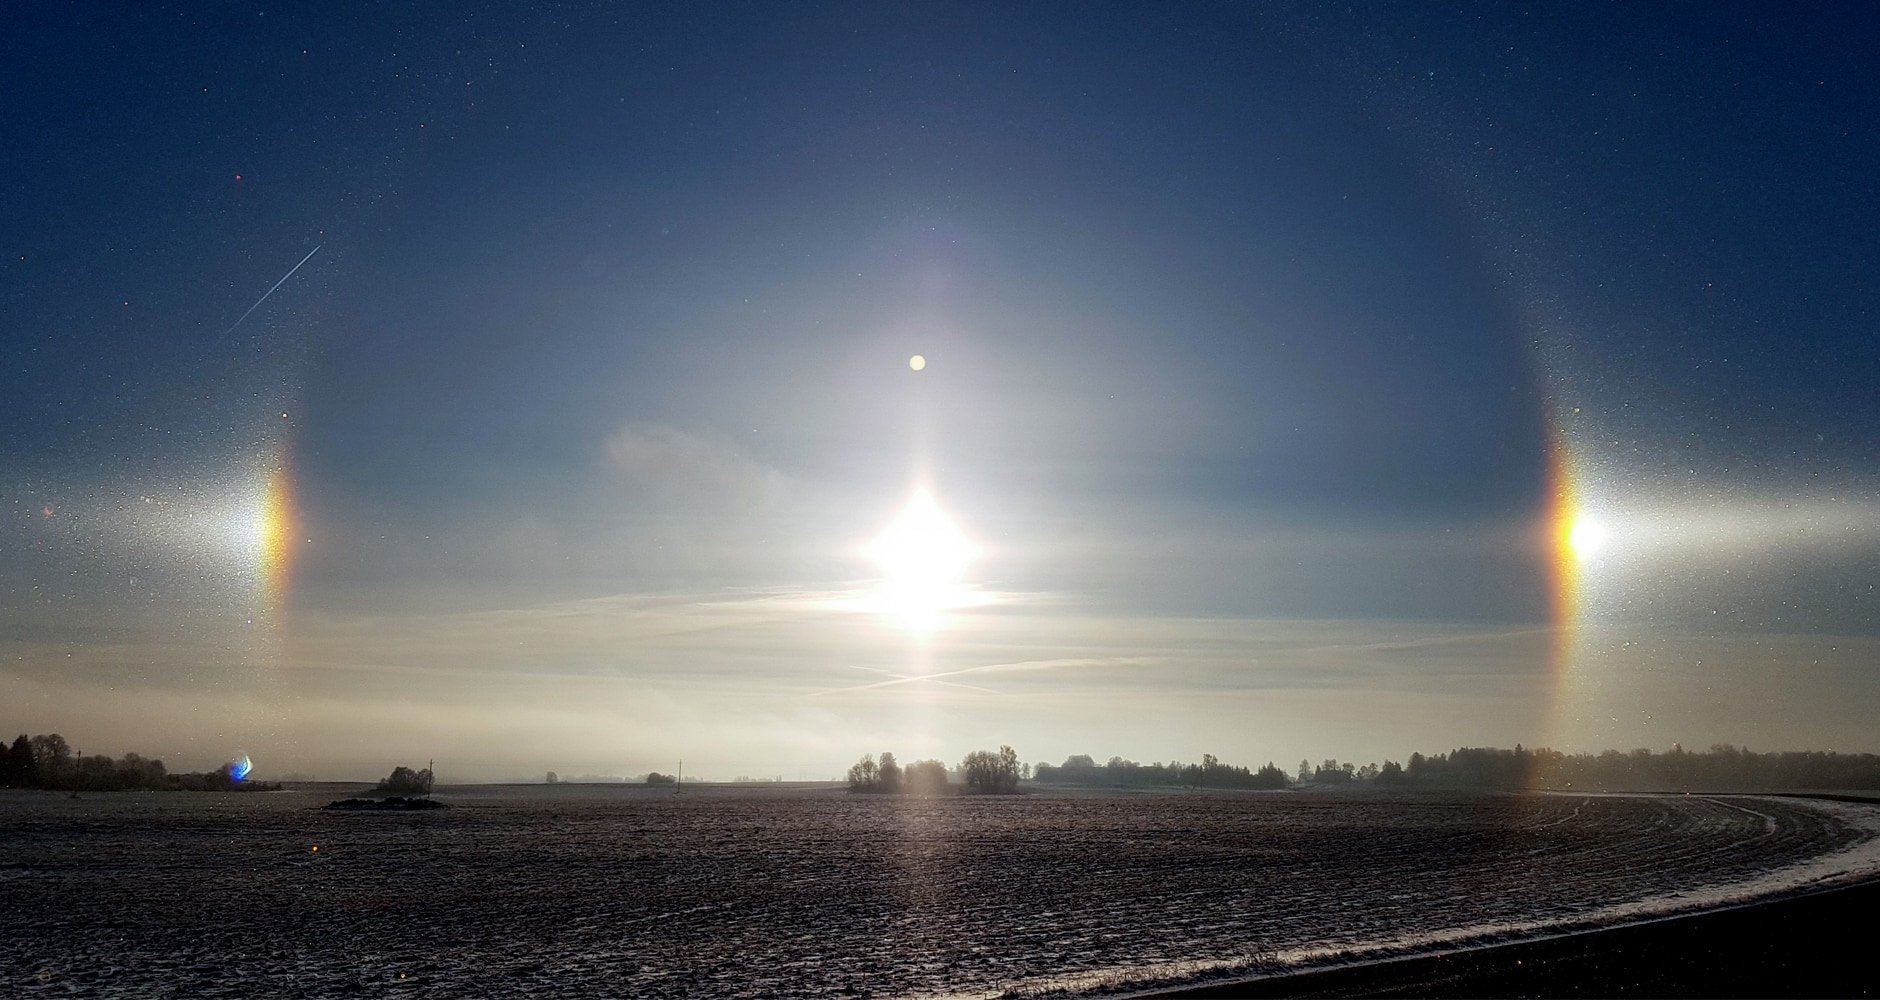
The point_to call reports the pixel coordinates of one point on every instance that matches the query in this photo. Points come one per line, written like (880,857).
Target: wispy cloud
(747,679)
(942,677)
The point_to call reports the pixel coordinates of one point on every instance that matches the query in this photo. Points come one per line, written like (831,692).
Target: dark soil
(550,891)
(1813,945)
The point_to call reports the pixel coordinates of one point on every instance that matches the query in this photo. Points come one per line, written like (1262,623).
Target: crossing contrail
(264,297)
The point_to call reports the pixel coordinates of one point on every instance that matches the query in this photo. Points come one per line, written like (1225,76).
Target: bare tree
(52,759)
(925,777)
(991,773)
(864,774)
(405,781)
(888,773)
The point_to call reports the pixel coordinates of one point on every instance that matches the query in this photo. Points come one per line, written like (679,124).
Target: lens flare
(239,767)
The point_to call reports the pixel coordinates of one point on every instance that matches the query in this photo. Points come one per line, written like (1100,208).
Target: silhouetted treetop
(404,781)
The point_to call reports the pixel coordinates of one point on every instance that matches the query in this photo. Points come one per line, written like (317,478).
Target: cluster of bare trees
(405,781)
(995,773)
(982,772)
(48,761)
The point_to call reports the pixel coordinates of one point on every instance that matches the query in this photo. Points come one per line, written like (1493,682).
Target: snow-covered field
(604,890)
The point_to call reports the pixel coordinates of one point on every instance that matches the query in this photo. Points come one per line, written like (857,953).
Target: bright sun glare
(923,558)
(1588,537)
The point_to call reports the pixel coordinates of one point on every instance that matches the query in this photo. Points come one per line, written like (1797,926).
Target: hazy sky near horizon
(1249,333)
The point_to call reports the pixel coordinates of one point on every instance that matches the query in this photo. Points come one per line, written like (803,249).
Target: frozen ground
(599,890)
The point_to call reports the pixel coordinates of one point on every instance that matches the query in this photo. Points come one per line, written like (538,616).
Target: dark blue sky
(1264,312)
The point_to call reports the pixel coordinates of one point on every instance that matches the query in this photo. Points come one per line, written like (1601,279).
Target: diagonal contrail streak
(264,297)
(899,678)
(983,668)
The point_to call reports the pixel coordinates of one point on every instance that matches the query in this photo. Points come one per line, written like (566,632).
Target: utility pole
(678,785)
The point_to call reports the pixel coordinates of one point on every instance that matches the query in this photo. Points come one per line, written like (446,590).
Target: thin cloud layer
(769,681)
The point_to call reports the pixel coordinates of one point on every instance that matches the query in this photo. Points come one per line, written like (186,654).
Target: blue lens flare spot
(239,767)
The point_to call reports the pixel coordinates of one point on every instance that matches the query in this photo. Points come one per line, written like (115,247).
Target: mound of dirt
(395,802)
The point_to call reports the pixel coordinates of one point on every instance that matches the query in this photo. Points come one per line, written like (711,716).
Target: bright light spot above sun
(923,557)
(1588,537)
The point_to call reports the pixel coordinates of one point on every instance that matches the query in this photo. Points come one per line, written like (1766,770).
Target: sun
(923,557)
(1588,537)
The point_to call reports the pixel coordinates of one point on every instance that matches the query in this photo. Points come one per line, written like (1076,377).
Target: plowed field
(622,892)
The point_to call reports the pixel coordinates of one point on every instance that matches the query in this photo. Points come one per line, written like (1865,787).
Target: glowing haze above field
(761,385)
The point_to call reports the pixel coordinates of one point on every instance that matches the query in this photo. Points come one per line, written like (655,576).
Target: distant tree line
(982,772)
(48,761)
(1723,767)
(1081,769)
(1330,772)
